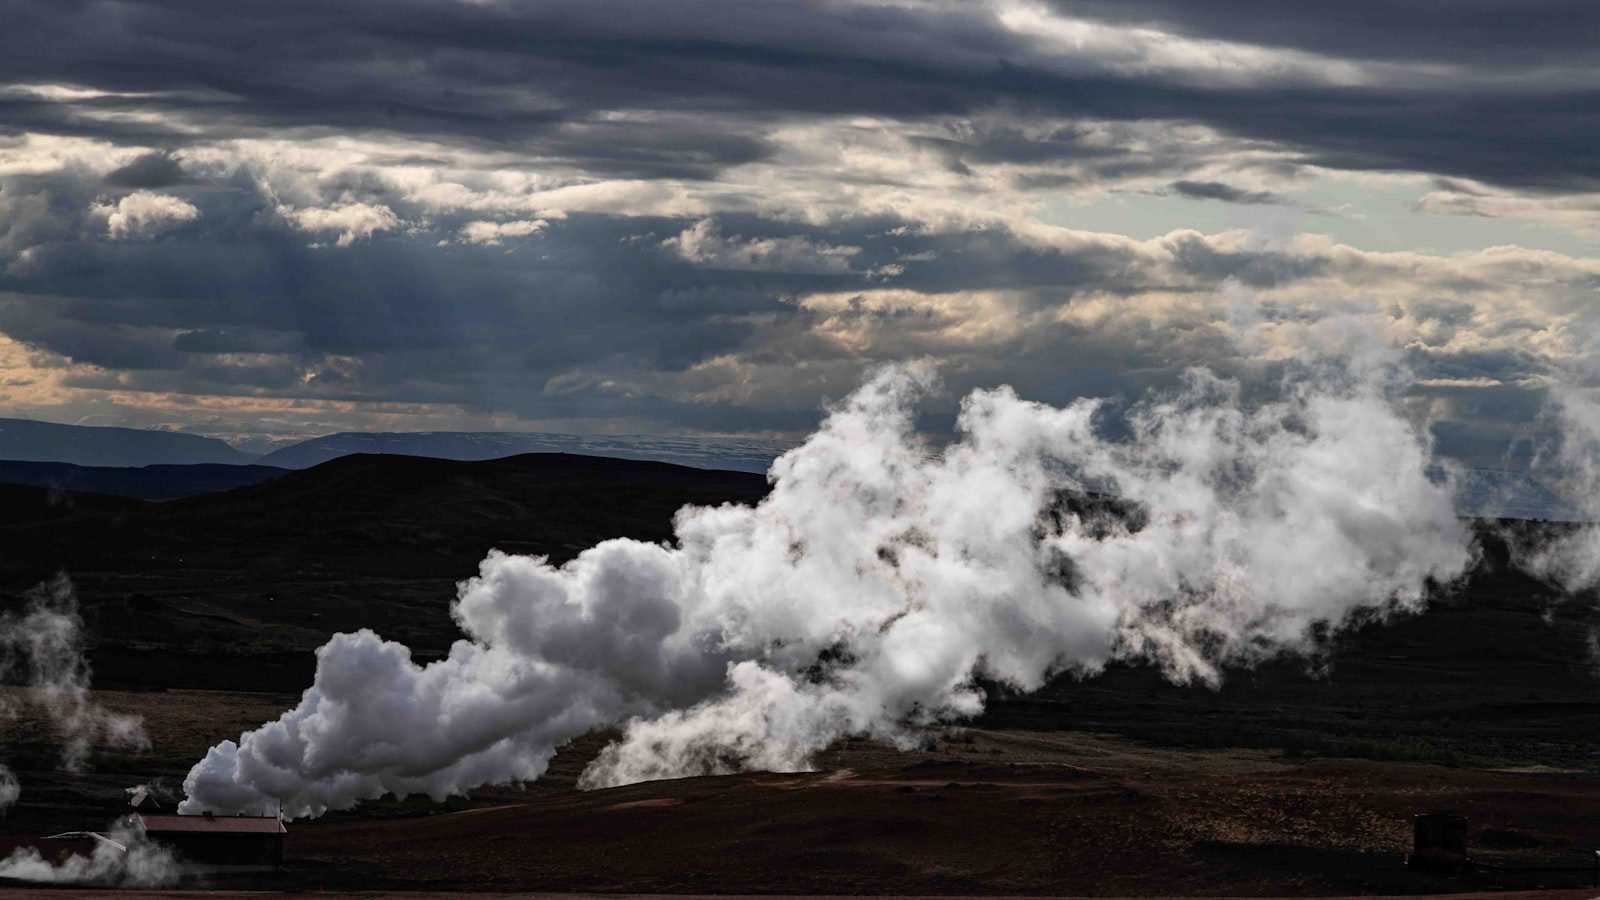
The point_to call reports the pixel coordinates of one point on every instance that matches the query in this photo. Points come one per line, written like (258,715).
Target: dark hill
(84,445)
(235,588)
(28,506)
(160,482)
(405,516)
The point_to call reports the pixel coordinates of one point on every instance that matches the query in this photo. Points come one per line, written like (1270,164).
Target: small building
(207,840)
(1438,842)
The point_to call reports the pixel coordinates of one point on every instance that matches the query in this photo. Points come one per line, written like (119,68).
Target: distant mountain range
(158,465)
(737,454)
(25,439)
(86,445)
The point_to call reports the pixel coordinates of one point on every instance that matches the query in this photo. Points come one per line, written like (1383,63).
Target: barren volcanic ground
(971,812)
(1296,778)
(991,813)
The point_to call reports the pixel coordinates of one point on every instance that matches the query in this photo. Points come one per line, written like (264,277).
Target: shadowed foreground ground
(982,813)
(76,894)
(972,812)
(1278,784)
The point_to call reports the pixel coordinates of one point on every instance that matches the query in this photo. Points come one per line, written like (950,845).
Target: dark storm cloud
(540,76)
(151,170)
(378,296)
(237,340)
(319,269)
(197,311)
(36,209)
(1008,143)
(581,318)
(1497,365)
(111,345)
(239,305)
(1472,32)
(1216,190)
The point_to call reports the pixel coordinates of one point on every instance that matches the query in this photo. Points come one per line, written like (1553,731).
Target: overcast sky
(266,220)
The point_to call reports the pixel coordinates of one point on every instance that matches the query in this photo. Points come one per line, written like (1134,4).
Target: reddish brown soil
(973,812)
(1183,826)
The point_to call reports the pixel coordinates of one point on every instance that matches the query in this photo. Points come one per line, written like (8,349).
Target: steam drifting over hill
(878,581)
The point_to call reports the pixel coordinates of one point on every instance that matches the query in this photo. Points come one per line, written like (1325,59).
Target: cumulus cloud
(494,233)
(144,214)
(704,244)
(349,222)
(879,581)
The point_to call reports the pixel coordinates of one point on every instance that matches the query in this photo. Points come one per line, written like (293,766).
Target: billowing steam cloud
(877,584)
(43,647)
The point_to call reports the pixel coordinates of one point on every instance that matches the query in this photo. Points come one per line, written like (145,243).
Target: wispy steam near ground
(43,647)
(9,789)
(879,582)
(1571,561)
(125,858)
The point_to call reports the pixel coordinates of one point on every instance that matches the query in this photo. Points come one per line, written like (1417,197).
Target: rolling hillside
(157,482)
(243,584)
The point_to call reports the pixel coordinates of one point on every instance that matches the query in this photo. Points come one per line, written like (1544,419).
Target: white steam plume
(876,584)
(10,790)
(125,858)
(43,647)
(1570,560)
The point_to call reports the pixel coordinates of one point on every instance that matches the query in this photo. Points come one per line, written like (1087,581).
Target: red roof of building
(168,823)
